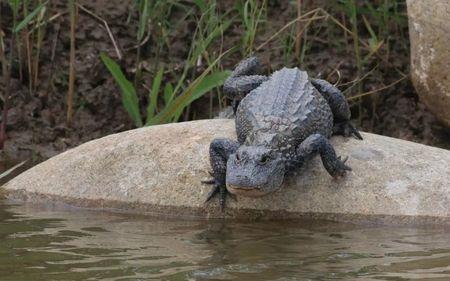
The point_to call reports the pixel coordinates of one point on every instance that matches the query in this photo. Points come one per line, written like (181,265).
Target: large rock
(430,54)
(158,170)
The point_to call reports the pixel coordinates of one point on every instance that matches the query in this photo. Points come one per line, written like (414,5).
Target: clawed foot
(341,168)
(346,129)
(220,189)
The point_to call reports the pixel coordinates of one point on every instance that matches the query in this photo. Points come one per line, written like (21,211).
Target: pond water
(45,244)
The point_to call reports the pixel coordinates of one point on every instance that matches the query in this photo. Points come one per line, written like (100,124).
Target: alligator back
(283,111)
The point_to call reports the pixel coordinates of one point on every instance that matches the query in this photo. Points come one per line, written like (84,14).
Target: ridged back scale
(283,111)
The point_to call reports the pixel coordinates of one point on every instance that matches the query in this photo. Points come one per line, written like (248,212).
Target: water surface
(46,244)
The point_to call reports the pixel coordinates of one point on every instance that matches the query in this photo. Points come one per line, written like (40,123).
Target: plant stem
(7,78)
(355,36)
(298,37)
(39,40)
(73,19)
(29,50)
(2,48)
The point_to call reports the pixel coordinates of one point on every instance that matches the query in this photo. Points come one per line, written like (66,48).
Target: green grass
(252,15)
(174,103)
(365,34)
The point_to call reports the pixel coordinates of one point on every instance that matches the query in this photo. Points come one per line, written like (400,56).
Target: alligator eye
(237,157)
(264,159)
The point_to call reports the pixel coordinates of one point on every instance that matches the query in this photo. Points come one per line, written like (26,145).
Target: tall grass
(365,33)
(252,14)
(166,104)
(173,104)
(18,27)
(352,11)
(152,23)
(375,26)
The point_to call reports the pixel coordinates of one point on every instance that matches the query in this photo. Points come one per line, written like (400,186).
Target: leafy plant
(129,98)
(166,102)
(173,106)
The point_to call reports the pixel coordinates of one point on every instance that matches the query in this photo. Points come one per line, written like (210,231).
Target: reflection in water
(42,244)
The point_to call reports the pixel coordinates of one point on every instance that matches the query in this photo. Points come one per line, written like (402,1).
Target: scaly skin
(281,122)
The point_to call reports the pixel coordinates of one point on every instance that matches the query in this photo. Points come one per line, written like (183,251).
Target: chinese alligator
(281,122)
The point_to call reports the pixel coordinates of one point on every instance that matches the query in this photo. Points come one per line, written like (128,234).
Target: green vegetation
(251,13)
(159,89)
(173,107)
(35,19)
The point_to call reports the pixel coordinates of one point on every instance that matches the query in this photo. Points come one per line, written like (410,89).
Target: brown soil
(37,121)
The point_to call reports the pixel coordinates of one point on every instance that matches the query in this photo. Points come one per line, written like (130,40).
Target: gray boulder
(430,54)
(158,170)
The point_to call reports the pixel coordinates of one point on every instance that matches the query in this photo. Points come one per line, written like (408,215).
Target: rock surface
(158,170)
(430,54)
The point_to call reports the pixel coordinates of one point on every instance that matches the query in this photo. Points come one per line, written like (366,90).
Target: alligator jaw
(246,191)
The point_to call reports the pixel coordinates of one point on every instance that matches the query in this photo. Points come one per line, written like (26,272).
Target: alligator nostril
(242,178)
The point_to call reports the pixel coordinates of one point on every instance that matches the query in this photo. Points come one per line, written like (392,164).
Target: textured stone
(158,170)
(430,54)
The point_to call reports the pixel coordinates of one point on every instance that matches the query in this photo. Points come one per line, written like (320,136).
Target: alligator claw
(343,161)
(341,168)
(211,181)
(354,131)
(223,197)
(218,189)
(212,193)
(346,129)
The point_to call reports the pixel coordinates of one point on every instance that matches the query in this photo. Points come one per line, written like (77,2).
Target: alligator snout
(245,191)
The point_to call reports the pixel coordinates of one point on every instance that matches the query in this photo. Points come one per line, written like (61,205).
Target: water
(45,244)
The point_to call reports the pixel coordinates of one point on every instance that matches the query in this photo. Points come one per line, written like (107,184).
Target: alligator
(281,122)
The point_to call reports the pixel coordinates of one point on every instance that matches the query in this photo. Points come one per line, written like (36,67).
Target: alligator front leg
(244,78)
(219,152)
(339,106)
(319,144)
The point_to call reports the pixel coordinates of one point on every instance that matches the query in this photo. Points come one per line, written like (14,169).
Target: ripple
(66,245)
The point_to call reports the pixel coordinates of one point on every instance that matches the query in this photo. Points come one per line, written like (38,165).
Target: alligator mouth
(245,191)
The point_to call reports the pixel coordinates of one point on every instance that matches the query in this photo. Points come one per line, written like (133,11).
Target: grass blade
(171,110)
(29,17)
(15,6)
(143,19)
(201,4)
(129,98)
(154,95)
(168,93)
(208,83)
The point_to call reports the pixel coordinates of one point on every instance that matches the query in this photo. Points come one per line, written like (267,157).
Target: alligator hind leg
(317,143)
(219,152)
(339,106)
(346,129)
(243,79)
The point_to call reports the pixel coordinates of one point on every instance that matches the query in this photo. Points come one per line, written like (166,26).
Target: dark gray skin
(281,122)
